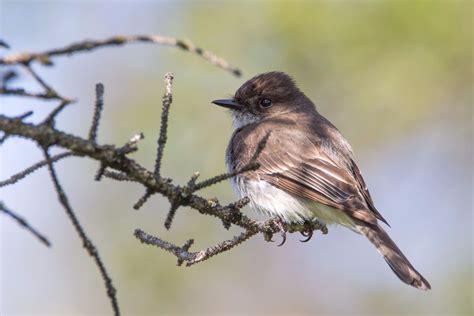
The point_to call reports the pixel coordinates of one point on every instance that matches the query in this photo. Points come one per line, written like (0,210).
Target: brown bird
(307,169)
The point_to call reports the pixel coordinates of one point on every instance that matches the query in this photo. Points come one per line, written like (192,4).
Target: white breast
(272,201)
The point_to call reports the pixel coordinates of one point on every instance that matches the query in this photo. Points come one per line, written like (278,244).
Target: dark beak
(228,103)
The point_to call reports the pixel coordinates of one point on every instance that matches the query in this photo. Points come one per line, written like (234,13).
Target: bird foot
(310,226)
(279,224)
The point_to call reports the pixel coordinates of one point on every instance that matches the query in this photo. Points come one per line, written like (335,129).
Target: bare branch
(21,221)
(47,88)
(8,76)
(119,176)
(20,117)
(20,92)
(49,120)
(142,200)
(167,100)
(114,162)
(88,45)
(221,247)
(17,177)
(131,145)
(180,252)
(87,243)
(169,218)
(250,166)
(99,104)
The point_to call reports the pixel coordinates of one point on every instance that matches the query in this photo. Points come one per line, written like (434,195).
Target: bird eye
(265,103)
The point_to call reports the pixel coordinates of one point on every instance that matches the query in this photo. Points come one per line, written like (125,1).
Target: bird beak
(228,103)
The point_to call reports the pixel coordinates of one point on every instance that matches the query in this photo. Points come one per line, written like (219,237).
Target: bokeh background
(395,76)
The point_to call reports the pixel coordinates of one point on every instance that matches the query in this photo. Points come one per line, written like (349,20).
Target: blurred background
(396,78)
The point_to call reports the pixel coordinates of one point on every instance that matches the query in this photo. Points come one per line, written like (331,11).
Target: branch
(21,221)
(184,255)
(109,155)
(99,104)
(114,162)
(167,99)
(20,175)
(87,243)
(89,45)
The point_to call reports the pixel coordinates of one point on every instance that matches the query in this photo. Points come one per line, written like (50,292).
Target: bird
(307,169)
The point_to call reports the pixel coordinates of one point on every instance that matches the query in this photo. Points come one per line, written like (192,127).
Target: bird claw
(309,231)
(279,225)
(308,234)
(283,236)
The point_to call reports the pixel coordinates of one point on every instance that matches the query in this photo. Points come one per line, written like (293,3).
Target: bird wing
(297,165)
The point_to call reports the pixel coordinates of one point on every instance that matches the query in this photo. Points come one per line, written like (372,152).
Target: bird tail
(393,256)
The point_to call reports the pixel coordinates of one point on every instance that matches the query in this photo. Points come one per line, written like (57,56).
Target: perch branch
(115,163)
(113,160)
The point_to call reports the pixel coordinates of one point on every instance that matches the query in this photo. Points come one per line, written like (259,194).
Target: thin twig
(20,175)
(7,76)
(19,92)
(250,166)
(192,258)
(131,145)
(169,218)
(88,45)
(21,221)
(49,120)
(180,252)
(221,247)
(119,176)
(167,100)
(142,200)
(47,88)
(87,243)
(99,104)
(20,117)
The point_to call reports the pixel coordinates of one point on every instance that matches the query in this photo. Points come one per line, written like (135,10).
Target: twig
(20,117)
(192,258)
(181,253)
(131,145)
(49,120)
(19,92)
(142,200)
(88,45)
(21,221)
(250,166)
(169,218)
(221,247)
(167,100)
(119,176)
(47,88)
(20,175)
(99,104)
(8,76)
(87,243)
